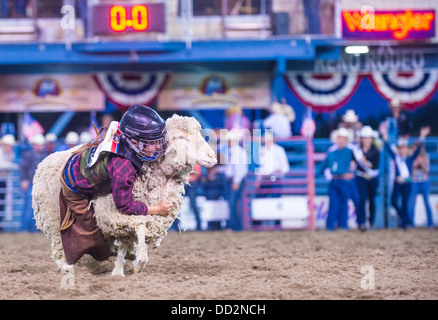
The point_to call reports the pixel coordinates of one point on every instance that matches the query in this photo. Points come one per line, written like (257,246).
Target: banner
(323,92)
(329,92)
(185,91)
(413,88)
(126,89)
(49,93)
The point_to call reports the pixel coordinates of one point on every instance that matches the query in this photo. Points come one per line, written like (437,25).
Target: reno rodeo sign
(367,24)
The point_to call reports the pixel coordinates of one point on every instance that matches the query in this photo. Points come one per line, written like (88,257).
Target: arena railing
(11,200)
(298,181)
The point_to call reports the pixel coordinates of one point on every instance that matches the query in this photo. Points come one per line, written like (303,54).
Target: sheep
(160,180)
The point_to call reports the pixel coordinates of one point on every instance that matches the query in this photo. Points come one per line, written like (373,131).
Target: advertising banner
(185,91)
(49,93)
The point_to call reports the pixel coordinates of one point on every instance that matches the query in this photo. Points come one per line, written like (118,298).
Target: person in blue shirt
(403,171)
(340,161)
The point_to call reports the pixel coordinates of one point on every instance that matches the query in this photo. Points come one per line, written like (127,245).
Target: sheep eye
(183,138)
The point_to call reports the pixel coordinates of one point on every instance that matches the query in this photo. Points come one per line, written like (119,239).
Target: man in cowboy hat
(339,160)
(350,121)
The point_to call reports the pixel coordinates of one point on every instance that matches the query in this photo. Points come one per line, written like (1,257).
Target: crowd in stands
(352,165)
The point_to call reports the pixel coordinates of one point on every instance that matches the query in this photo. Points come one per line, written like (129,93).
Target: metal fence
(11,200)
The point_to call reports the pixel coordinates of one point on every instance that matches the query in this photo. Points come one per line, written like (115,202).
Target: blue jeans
(423,189)
(192,192)
(402,190)
(233,197)
(339,193)
(20,7)
(367,191)
(311,10)
(27,221)
(4,9)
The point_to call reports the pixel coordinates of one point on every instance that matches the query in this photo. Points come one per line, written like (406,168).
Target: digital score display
(110,19)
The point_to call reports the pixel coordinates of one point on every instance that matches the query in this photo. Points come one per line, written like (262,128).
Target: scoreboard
(112,19)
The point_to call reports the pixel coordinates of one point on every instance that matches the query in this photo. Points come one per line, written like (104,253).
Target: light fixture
(356,50)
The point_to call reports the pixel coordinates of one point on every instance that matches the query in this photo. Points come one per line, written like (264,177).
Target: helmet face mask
(152,149)
(148,150)
(144,132)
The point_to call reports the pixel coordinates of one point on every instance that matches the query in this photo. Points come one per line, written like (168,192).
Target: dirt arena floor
(238,265)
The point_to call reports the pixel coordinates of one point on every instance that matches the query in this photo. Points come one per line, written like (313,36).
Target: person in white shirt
(273,161)
(8,162)
(278,122)
(273,158)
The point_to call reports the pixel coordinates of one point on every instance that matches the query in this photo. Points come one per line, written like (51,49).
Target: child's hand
(162,209)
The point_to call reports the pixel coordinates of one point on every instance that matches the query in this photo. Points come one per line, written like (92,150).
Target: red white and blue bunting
(126,89)
(329,92)
(323,92)
(413,89)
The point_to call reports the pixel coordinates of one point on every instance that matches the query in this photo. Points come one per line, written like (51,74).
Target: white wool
(157,181)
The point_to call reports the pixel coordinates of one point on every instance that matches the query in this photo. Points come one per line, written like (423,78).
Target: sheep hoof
(139,265)
(118,272)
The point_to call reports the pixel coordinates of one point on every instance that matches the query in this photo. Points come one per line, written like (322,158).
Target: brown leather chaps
(79,231)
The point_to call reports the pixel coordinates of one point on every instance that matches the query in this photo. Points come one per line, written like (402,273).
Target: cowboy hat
(8,139)
(367,132)
(350,116)
(395,103)
(342,132)
(38,139)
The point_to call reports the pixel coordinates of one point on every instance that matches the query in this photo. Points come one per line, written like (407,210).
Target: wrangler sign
(388,25)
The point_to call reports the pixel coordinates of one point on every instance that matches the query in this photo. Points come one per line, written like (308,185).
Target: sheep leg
(141,252)
(119,264)
(59,257)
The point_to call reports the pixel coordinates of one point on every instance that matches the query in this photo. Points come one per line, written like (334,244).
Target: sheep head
(186,141)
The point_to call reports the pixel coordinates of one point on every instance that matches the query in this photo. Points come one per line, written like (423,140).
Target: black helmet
(144,125)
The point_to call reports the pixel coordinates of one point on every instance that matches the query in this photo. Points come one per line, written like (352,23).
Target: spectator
(403,172)
(83,11)
(367,179)
(311,10)
(85,137)
(235,170)
(71,140)
(20,8)
(191,191)
(404,127)
(339,161)
(274,163)
(29,162)
(350,121)
(213,183)
(236,119)
(106,120)
(288,111)
(4,8)
(8,161)
(51,139)
(420,184)
(278,122)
